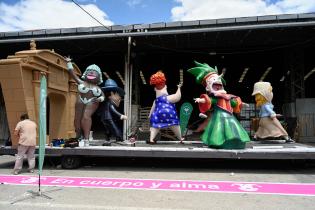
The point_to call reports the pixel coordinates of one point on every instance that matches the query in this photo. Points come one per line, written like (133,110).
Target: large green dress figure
(223,131)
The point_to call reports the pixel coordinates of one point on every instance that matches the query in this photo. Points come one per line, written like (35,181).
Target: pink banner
(175,185)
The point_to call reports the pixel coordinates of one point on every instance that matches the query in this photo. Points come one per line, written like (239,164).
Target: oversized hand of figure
(99,99)
(273,116)
(199,100)
(245,105)
(67,58)
(123,117)
(69,64)
(202,115)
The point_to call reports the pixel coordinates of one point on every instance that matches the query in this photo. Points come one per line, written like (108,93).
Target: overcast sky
(19,15)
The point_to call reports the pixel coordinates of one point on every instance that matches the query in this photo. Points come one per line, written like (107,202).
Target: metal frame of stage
(188,150)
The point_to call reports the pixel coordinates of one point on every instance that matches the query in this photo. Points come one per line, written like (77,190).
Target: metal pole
(39,192)
(130,98)
(125,98)
(127,89)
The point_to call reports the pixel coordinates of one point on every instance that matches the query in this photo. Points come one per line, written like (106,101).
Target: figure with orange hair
(163,112)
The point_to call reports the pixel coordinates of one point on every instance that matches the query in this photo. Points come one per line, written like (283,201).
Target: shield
(185,112)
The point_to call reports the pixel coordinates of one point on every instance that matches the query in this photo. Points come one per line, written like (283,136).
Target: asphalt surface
(166,169)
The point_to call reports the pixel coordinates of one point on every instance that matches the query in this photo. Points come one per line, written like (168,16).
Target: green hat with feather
(202,70)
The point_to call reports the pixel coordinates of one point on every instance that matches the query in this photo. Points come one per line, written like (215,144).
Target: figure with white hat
(269,126)
(223,130)
(109,114)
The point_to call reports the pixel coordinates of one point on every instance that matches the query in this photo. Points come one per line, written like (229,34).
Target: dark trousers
(111,129)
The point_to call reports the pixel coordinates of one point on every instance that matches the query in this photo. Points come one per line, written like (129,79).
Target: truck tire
(70,162)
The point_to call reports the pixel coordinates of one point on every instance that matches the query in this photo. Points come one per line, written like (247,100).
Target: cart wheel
(70,162)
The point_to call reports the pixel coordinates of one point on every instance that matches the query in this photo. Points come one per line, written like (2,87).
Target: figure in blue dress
(163,112)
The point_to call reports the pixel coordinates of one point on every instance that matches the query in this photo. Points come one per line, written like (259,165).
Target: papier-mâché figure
(223,130)
(109,114)
(90,95)
(269,126)
(163,113)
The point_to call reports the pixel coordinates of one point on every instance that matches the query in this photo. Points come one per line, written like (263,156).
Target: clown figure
(269,125)
(90,95)
(223,130)
(163,112)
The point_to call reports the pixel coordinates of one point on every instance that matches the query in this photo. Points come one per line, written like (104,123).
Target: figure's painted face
(162,90)
(214,84)
(115,97)
(260,100)
(92,76)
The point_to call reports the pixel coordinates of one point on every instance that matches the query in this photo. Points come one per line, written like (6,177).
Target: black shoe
(106,143)
(150,142)
(255,139)
(289,140)
(118,139)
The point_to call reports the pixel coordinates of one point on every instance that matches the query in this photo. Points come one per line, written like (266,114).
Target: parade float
(137,51)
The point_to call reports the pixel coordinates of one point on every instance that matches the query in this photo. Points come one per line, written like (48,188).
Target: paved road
(92,198)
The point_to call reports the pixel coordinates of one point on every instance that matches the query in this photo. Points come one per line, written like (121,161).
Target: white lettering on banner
(62,181)
(96,182)
(175,185)
(85,182)
(185,185)
(123,184)
(247,187)
(196,186)
(107,183)
(118,184)
(213,187)
(110,183)
(155,185)
(138,184)
(31,180)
